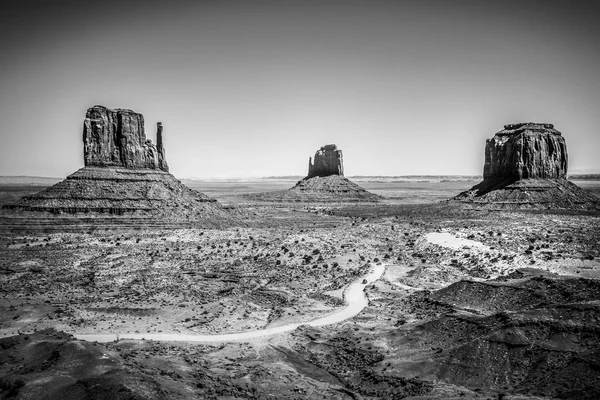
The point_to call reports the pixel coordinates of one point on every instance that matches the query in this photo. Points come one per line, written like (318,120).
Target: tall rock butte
(116,138)
(124,172)
(526,167)
(328,161)
(526,151)
(325,183)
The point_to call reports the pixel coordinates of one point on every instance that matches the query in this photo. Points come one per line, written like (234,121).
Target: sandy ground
(449,241)
(353,296)
(451,282)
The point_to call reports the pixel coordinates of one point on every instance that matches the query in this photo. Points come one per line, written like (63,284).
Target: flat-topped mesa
(116,138)
(526,151)
(328,161)
(526,168)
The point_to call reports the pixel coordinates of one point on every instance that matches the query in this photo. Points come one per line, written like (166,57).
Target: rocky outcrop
(526,151)
(116,138)
(328,161)
(526,168)
(332,188)
(329,189)
(118,191)
(162,159)
(325,183)
(124,173)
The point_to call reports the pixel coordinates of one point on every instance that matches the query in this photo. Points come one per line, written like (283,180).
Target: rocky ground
(514,314)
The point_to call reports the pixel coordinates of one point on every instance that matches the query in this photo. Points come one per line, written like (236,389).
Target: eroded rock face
(325,183)
(526,151)
(526,168)
(124,173)
(328,161)
(116,138)
(329,189)
(162,159)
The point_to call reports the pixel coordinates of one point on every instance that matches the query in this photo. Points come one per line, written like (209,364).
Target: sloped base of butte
(503,193)
(333,188)
(120,191)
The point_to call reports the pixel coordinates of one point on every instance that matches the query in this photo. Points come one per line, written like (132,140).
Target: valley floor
(469,304)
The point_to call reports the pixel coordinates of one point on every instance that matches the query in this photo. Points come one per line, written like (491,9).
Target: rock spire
(162,159)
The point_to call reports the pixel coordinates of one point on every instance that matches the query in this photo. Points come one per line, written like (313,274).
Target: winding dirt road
(353,295)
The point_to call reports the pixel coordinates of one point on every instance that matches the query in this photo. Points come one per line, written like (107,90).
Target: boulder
(328,161)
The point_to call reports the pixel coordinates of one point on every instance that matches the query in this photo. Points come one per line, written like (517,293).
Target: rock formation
(332,188)
(124,172)
(325,182)
(526,151)
(328,161)
(526,167)
(116,138)
(162,159)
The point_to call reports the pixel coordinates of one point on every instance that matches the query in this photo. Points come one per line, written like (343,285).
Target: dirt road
(353,295)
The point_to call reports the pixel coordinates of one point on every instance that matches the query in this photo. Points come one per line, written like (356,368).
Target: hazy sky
(253,88)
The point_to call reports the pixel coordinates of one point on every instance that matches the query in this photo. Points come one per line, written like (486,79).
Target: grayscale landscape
(305,200)
(260,291)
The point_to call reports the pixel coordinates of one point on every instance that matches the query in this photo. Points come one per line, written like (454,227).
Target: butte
(526,168)
(124,173)
(325,182)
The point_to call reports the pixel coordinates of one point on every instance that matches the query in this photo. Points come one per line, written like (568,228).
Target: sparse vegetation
(524,305)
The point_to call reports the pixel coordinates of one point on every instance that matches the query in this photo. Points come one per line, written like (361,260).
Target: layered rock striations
(116,138)
(124,172)
(332,188)
(526,151)
(328,161)
(526,167)
(325,182)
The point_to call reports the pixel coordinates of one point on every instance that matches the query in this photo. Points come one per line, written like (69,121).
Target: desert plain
(469,303)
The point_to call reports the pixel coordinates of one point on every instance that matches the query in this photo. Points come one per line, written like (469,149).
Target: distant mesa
(526,167)
(124,172)
(325,182)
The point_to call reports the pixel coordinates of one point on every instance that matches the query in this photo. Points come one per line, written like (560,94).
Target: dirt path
(355,302)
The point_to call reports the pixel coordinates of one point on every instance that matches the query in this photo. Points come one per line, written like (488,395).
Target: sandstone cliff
(526,168)
(328,161)
(526,151)
(116,138)
(124,173)
(162,159)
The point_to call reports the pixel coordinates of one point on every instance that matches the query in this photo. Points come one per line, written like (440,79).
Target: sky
(253,88)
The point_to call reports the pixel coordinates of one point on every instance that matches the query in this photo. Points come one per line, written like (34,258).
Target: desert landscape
(299,200)
(416,289)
